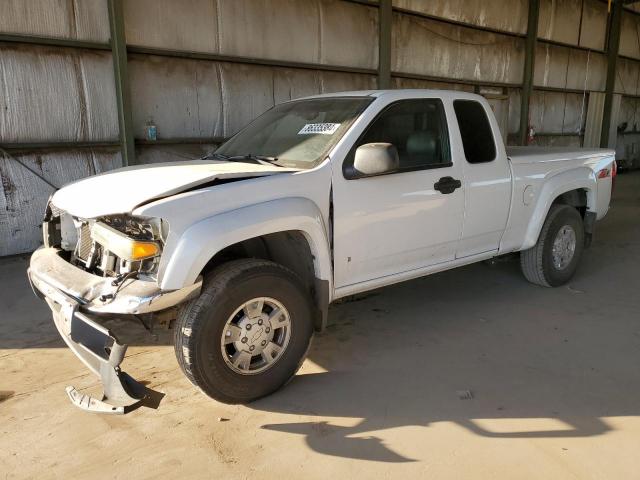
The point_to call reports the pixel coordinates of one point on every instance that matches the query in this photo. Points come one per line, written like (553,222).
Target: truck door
(394,223)
(486,178)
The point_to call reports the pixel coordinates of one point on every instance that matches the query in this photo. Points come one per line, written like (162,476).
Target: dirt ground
(553,375)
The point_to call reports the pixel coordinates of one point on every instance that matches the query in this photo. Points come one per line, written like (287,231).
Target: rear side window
(477,137)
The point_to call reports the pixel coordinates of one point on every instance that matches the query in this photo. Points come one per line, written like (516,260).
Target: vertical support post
(613,42)
(123,95)
(385,19)
(529,64)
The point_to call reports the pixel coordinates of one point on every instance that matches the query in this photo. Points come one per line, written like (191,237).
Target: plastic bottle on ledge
(151,131)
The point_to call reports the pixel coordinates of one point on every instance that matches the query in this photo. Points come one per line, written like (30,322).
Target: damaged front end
(89,270)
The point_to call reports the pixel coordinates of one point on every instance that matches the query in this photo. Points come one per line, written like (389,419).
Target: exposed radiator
(84,241)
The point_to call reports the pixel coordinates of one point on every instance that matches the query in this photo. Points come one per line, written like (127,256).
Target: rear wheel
(247,333)
(553,260)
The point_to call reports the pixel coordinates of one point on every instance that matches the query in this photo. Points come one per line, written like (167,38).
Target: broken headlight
(122,244)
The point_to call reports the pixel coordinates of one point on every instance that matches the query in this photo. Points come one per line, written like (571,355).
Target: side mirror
(375,159)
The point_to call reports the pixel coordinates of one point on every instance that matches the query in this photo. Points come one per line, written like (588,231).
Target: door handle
(447,185)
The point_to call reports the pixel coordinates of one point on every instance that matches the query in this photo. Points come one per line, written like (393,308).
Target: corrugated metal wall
(201,69)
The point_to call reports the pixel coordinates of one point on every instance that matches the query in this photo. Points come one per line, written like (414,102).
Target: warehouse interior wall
(198,70)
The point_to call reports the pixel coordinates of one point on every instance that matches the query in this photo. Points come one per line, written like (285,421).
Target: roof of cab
(400,93)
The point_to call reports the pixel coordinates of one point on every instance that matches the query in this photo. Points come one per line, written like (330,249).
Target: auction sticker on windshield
(321,128)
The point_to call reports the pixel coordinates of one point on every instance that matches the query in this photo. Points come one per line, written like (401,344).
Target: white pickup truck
(317,199)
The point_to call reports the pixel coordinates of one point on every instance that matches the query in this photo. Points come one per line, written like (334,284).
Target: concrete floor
(553,374)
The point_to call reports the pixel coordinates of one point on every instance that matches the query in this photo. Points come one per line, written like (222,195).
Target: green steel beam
(123,94)
(459,81)
(26,146)
(366,3)
(457,23)
(529,64)
(179,141)
(163,52)
(385,12)
(52,42)
(613,43)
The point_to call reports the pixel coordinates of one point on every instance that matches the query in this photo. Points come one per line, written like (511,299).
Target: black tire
(537,262)
(199,329)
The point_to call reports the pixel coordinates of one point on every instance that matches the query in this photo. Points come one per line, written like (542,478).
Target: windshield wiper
(262,159)
(217,156)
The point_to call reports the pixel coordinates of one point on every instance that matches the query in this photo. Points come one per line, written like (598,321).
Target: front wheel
(247,333)
(553,260)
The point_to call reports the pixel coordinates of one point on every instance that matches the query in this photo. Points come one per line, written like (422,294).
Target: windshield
(297,134)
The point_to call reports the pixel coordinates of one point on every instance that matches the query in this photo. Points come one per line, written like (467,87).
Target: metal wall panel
(628,72)
(562,67)
(586,70)
(349,34)
(23,196)
(183,98)
(54,94)
(276,26)
(560,20)
(508,15)
(327,31)
(551,65)
(429,84)
(515,104)
(593,124)
(575,112)
(594,24)
(247,91)
(557,141)
(629,114)
(190,25)
(429,47)
(71,19)
(630,35)
(340,82)
(290,83)
(546,112)
(557,112)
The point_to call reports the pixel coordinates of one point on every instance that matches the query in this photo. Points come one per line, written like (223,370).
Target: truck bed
(523,155)
(540,174)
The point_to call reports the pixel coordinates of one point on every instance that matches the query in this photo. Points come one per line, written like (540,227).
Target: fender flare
(201,241)
(552,189)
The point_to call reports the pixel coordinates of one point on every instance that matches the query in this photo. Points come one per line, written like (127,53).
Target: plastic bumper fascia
(134,297)
(74,297)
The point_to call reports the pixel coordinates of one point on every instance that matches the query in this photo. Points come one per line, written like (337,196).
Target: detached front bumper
(75,296)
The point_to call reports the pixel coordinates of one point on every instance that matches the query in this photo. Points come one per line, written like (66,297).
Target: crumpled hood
(122,190)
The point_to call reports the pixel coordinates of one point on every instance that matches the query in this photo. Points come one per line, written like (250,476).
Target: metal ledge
(53,41)
(137,49)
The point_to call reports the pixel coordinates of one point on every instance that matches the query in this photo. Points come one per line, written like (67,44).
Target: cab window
(475,130)
(418,130)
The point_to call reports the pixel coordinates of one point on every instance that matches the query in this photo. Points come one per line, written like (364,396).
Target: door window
(475,130)
(418,130)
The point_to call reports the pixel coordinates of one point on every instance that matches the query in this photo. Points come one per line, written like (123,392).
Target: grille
(84,241)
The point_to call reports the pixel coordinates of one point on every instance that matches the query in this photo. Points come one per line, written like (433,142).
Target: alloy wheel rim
(564,247)
(256,336)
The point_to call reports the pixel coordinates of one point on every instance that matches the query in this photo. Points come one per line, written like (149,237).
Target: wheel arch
(287,231)
(576,187)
